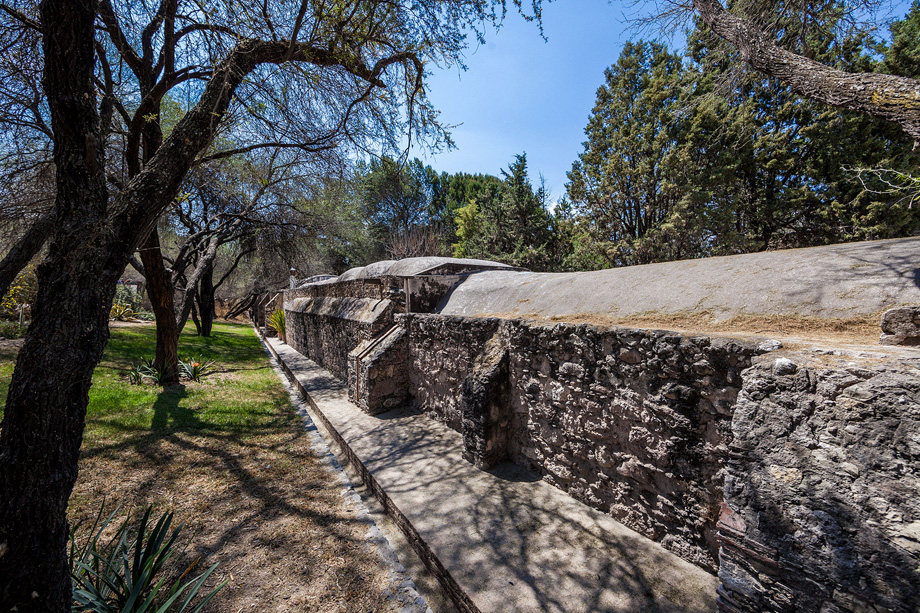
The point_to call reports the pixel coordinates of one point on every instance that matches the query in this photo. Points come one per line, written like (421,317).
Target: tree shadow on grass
(250,503)
(167,410)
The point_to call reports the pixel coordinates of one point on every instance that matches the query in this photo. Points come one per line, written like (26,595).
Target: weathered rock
(784,366)
(822,485)
(769,345)
(485,406)
(901,326)
(378,374)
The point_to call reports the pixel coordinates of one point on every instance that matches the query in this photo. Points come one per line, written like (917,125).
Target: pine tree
(628,180)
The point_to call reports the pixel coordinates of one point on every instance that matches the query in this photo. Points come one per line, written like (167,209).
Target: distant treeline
(686,156)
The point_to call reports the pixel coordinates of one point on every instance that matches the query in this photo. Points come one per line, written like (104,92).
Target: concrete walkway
(500,540)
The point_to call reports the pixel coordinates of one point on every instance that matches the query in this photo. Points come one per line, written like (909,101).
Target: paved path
(500,540)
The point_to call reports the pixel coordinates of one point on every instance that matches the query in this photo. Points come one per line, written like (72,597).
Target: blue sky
(521,94)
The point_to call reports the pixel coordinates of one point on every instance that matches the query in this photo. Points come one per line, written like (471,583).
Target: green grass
(242,394)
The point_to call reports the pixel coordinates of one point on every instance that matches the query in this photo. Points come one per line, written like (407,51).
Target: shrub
(195,368)
(21,293)
(124,574)
(11,329)
(125,295)
(276,321)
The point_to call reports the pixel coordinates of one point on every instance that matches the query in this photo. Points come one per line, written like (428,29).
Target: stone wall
(326,329)
(378,376)
(823,489)
(798,480)
(441,354)
(632,422)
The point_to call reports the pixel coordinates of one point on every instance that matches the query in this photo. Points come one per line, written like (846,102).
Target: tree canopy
(305,76)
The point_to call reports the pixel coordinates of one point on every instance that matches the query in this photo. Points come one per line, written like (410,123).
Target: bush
(276,321)
(124,574)
(195,368)
(125,295)
(11,329)
(21,293)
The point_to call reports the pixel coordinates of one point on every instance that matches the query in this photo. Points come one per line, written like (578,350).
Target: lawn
(231,458)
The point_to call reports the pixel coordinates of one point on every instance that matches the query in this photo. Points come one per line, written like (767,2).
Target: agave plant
(148,370)
(135,376)
(122,312)
(276,321)
(195,368)
(123,575)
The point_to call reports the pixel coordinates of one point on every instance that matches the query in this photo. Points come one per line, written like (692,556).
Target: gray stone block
(901,326)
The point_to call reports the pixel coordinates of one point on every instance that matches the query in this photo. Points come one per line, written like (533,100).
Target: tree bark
(889,97)
(160,290)
(205,262)
(23,251)
(46,404)
(205,296)
(195,317)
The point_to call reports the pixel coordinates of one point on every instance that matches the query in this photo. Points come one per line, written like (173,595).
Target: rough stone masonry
(791,472)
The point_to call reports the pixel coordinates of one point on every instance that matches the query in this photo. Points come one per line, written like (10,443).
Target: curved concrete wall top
(410,267)
(843,280)
(362,310)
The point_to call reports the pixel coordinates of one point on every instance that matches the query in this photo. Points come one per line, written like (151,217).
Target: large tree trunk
(890,97)
(46,405)
(206,301)
(161,291)
(205,262)
(23,251)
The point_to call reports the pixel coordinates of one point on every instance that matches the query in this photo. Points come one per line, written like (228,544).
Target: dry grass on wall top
(231,458)
(862,329)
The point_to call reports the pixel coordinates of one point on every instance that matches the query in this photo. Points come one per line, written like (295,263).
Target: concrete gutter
(500,540)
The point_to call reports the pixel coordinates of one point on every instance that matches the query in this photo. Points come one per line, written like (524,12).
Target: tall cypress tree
(628,180)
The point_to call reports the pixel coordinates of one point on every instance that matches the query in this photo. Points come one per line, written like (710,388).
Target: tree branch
(236,263)
(309,148)
(889,97)
(20,17)
(24,250)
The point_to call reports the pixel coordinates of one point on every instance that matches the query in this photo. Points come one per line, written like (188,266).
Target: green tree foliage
(396,195)
(507,222)
(458,191)
(403,202)
(779,168)
(628,182)
(687,158)
(902,56)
